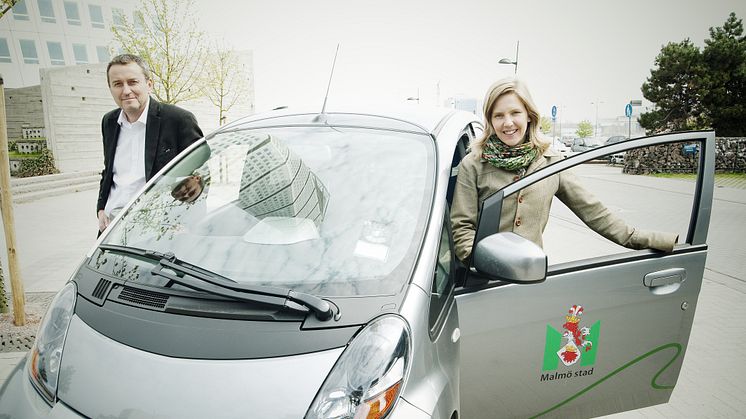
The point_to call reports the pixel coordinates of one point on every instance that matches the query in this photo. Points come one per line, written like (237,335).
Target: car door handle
(665,277)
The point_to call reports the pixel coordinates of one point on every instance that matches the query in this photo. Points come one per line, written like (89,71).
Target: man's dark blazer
(169,130)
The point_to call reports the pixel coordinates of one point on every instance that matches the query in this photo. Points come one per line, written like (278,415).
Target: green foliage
(674,86)
(164,33)
(12,145)
(41,165)
(585,129)
(5,6)
(227,82)
(545,126)
(724,93)
(694,89)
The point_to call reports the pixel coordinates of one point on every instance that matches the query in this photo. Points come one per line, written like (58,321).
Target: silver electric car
(301,265)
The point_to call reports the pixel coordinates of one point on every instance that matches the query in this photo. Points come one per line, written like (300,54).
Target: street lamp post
(595,130)
(509,61)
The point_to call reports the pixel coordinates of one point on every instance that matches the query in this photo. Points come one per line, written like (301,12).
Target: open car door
(603,328)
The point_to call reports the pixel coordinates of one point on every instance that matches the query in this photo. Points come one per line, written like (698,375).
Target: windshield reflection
(321,210)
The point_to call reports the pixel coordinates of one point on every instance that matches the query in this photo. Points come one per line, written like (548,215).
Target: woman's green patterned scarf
(509,158)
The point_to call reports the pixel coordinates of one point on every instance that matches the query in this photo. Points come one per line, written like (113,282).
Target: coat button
(515,178)
(520,199)
(518,222)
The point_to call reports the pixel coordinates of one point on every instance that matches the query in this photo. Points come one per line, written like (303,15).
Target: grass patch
(17,155)
(692,176)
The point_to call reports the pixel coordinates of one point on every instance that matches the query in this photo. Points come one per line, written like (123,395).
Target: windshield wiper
(217,284)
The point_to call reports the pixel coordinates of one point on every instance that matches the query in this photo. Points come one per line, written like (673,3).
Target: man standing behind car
(140,137)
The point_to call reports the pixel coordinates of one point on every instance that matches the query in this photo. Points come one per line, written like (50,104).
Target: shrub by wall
(41,165)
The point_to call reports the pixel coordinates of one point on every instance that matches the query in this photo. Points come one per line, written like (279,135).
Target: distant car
(310,272)
(615,139)
(561,148)
(617,158)
(584,144)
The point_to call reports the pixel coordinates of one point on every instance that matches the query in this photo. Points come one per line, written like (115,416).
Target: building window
(71,11)
(103,54)
(97,16)
(19,11)
(81,53)
(28,50)
(46,11)
(117,16)
(55,53)
(4,51)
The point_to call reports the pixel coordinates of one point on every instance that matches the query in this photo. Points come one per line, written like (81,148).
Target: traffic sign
(554,111)
(628,110)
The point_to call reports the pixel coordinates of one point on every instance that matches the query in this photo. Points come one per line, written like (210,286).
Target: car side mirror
(511,258)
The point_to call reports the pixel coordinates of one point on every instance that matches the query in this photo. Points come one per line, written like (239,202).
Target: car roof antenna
(322,116)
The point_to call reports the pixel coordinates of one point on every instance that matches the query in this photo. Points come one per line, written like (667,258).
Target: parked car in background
(580,145)
(615,139)
(617,158)
(308,271)
(561,148)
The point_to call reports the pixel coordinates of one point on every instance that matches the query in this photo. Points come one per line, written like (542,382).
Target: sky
(585,57)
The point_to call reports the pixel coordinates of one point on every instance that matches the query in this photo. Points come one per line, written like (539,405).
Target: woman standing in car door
(509,149)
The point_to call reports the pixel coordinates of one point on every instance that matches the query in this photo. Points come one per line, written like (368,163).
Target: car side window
(651,190)
(441,292)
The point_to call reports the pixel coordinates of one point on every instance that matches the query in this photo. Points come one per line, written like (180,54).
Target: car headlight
(43,365)
(369,375)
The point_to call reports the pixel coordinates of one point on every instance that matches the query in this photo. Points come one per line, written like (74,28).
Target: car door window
(441,292)
(651,189)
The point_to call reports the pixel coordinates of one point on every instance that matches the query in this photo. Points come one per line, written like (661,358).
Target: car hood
(100,377)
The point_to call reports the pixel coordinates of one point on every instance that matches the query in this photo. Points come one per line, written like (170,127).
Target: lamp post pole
(595,130)
(509,61)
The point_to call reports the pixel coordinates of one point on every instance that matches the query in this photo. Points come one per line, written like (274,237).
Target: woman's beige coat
(526,213)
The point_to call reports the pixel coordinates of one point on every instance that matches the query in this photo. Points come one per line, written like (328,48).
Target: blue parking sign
(628,110)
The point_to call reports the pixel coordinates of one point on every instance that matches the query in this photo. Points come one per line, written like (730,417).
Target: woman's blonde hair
(498,89)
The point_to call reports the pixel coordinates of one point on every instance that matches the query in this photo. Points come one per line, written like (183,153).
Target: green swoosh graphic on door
(653,382)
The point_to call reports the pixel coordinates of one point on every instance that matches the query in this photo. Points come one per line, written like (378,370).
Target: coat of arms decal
(575,344)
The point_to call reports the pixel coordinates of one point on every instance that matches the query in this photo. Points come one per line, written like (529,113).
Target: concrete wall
(730,156)
(23,108)
(75,98)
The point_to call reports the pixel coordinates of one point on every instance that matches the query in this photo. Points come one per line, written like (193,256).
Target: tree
(165,35)
(724,86)
(694,89)
(585,129)
(6,5)
(545,126)
(227,82)
(674,87)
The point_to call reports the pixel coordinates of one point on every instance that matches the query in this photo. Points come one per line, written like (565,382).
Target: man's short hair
(124,59)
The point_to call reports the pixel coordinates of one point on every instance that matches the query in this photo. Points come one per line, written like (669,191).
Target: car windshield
(324,210)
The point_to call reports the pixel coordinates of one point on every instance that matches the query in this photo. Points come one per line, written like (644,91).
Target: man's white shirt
(129,162)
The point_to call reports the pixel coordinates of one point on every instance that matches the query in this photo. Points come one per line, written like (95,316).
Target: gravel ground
(20,338)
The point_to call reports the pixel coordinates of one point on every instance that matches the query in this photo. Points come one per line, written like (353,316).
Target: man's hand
(103,220)
(188,189)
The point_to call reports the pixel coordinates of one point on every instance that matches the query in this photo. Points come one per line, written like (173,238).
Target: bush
(42,165)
